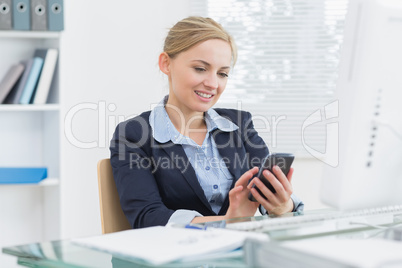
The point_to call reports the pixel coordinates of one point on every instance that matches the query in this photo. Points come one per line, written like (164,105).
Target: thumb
(235,191)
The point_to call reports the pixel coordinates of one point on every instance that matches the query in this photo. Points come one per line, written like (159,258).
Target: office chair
(112,216)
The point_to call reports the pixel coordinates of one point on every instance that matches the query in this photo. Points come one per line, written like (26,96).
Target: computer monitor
(369,90)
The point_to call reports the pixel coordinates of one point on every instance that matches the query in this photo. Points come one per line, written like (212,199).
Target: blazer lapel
(181,162)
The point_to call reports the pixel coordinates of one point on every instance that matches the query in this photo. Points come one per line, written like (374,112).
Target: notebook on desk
(160,245)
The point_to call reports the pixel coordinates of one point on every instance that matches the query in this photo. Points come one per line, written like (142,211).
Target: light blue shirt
(210,169)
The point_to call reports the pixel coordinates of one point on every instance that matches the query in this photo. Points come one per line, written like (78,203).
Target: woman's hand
(239,204)
(276,203)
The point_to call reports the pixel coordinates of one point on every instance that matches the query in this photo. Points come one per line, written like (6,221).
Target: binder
(49,57)
(22,174)
(9,80)
(5,15)
(21,15)
(55,15)
(38,15)
(29,88)
(15,95)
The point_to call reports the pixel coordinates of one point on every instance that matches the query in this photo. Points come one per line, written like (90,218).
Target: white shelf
(28,107)
(31,138)
(49,182)
(44,183)
(29,34)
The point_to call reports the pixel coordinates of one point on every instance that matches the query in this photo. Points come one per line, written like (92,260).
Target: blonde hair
(193,30)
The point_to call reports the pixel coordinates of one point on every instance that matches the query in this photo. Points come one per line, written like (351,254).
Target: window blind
(287,64)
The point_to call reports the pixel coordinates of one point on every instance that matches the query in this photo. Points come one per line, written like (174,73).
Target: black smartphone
(282,160)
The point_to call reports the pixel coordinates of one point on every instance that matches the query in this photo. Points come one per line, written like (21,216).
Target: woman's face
(198,76)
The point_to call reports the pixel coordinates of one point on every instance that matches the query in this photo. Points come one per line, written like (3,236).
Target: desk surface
(66,254)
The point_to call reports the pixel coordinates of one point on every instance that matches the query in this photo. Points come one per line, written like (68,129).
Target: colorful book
(9,80)
(49,57)
(29,88)
(11,175)
(15,95)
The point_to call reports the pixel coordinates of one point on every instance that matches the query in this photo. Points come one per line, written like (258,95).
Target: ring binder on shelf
(5,15)
(38,15)
(21,15)
(55,15)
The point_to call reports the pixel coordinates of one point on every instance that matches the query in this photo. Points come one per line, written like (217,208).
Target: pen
(192,226)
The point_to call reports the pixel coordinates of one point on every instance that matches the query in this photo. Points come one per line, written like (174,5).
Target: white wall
(108,56)
(109,53)
(13,227)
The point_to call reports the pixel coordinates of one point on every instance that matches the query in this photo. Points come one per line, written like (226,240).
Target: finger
(276,184)
(261,200)
(290,175)
(280,175)
(269,205)
(288,186)
(265,190)
(251,183)
(283,192)
(235,191)
(273,200)
(282,178)
(244,179)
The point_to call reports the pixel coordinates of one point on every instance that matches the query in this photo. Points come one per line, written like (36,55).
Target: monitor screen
(369,94)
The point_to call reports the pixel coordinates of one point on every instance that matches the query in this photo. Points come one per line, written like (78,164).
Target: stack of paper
(160,245)
(325,252)
(352,252)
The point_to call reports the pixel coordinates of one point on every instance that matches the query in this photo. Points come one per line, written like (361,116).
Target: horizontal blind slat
(287,62)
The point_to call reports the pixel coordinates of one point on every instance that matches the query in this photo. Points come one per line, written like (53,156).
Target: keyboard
(325,222)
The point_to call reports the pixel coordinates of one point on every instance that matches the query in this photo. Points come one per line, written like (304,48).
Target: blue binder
(21,15)
(11,175)
(55,15)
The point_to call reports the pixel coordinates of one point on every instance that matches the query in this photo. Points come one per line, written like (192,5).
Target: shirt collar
(164,131)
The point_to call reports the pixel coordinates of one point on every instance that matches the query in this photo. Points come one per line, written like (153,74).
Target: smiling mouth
(204,95)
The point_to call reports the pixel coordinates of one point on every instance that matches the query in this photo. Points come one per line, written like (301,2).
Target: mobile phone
(282,160)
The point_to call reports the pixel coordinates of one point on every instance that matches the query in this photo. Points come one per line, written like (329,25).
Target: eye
(223,75)
(199,69)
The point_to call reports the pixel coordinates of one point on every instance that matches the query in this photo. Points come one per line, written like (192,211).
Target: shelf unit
(48,182)
(30,34)
(30,137)
(28,108)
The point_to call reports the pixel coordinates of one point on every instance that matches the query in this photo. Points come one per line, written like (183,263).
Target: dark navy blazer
(154,179)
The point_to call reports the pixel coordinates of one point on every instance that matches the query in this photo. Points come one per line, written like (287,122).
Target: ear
(164,63)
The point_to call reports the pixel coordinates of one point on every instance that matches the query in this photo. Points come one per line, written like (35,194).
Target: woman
(185,162)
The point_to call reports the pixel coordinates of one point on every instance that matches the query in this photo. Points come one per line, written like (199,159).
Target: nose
(211,81)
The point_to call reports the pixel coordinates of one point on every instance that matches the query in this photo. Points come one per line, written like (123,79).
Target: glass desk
(66,254)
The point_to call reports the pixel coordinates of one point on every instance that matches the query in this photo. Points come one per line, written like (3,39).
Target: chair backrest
(112,216)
